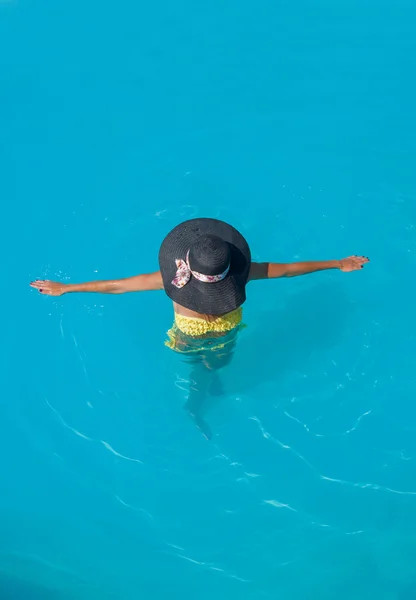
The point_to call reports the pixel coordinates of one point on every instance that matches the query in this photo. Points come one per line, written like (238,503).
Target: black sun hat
(205,264)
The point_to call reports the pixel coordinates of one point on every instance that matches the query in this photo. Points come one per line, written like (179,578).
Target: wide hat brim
(206,298)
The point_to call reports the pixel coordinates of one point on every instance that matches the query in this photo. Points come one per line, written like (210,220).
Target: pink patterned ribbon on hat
(184,274)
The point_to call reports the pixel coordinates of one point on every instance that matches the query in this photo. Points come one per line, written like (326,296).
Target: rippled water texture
(295,122)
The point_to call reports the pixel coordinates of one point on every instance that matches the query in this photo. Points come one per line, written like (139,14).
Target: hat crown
(209,255)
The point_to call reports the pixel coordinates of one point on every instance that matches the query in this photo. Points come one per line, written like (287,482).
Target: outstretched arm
(274,270)
(139,283)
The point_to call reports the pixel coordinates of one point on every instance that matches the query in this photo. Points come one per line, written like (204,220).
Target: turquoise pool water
(295,122)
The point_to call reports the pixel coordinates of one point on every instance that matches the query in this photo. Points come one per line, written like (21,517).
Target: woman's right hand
(49,288)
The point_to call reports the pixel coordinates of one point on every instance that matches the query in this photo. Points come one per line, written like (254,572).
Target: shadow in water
(285,340)
(408,592)
(288,339)
(16,589)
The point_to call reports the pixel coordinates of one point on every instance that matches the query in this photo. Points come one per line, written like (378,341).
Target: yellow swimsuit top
(192,334)
(196,327)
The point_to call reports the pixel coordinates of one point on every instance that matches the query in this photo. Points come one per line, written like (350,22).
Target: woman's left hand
(353,263)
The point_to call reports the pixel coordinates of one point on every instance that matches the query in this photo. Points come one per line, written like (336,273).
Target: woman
(205,265)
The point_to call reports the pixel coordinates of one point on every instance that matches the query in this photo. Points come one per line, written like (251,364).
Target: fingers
(43,287)
(39,283)
(354,263)
(361,261)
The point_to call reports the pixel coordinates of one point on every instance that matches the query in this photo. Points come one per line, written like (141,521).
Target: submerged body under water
(206,356)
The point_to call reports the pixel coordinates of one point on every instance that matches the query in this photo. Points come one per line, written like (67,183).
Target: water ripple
(85,437)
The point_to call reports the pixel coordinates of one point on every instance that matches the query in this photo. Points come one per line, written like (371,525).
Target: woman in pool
(205,265)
